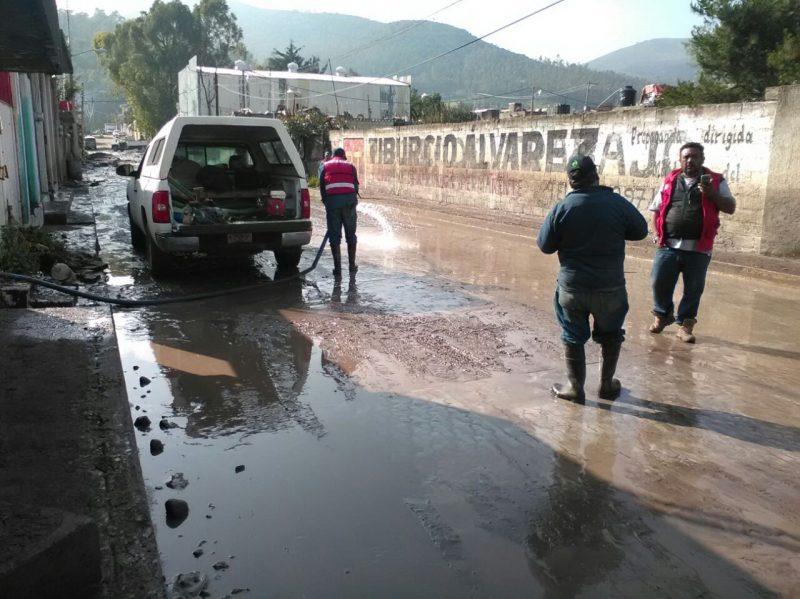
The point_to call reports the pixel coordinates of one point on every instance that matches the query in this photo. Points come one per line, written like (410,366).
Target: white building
(217,91)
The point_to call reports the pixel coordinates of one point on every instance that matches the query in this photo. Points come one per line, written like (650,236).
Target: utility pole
(586,102)
(216,91)
(533,94)
(333,84)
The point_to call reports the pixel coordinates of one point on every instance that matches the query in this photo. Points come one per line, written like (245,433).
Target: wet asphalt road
(398,438)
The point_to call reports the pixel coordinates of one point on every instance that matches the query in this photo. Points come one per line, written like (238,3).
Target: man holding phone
(686,219)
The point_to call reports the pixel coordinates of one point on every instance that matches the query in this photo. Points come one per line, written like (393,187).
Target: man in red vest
(686,219)
(338,185)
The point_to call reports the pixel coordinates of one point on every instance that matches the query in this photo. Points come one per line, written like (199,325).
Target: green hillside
(663,60)
(481,67)
(350,42)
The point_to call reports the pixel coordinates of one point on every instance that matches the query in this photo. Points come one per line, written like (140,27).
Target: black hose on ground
(131,303)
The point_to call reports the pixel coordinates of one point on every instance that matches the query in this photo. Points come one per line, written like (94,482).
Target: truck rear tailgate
(276,226)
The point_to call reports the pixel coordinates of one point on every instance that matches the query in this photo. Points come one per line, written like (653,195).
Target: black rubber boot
(351,255)
(336,252)
(575,356)
(610,387)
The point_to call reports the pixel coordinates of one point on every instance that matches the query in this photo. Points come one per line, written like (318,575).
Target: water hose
(133,303)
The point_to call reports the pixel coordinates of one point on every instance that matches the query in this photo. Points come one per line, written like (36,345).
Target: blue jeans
(340,213)
(667,266)
(608,308)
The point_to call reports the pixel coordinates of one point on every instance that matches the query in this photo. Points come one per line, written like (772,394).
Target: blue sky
(576,30)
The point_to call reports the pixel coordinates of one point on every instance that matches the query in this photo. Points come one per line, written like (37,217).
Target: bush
(313,181)
(27,251)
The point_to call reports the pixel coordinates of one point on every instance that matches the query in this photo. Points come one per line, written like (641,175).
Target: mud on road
(398,437)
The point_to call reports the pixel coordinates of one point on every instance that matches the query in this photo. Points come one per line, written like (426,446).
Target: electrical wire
(396,33)
(427,60)
(282,97)
(503,95)
(450,51)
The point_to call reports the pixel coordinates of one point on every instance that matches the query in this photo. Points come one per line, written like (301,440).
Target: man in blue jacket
(588,229)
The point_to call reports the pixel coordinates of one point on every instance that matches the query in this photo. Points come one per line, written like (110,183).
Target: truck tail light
(161,207)
(305,204)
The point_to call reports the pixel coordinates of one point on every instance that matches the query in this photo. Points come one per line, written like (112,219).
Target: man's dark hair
(692,145)
(339,153)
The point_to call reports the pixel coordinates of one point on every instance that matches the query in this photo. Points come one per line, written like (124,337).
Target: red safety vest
(710,210)
(339,176)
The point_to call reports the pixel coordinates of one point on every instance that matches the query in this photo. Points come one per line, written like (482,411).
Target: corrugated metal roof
(305,76)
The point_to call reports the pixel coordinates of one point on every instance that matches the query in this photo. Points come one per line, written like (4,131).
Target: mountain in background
(360,45)
(352,42)
(662,60)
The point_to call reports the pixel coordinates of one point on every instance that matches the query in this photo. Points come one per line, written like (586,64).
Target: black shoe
(575,357)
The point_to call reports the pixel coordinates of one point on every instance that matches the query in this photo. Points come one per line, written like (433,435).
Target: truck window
(155,152)
(275,152)
(214,155)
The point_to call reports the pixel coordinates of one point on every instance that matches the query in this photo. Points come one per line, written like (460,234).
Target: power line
(427,60)
(396,33)
(503,95)
(281,97)
(452,50)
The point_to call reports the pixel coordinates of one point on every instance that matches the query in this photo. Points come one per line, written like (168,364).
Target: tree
(144,55)
(102,100)
(786,60)
(221,35)
(279,61)
(430,108)
(743,47)
(308,129)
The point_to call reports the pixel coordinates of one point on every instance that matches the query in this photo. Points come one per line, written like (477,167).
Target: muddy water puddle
(342,493)
(356,489)
(301,483)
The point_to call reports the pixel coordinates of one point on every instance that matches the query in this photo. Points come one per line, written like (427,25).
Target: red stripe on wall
(6,94)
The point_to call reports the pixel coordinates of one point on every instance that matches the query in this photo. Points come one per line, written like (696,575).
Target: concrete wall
(781,225)
(515,169)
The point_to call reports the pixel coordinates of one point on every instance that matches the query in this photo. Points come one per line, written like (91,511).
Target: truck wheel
(138,240)
(158,261)
(288,259)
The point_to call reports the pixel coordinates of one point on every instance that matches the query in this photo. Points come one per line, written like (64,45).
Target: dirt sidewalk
(74,507)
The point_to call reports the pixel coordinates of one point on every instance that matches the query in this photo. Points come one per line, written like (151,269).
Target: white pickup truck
(219,185)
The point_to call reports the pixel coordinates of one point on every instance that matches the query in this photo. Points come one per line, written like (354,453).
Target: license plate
(240,238)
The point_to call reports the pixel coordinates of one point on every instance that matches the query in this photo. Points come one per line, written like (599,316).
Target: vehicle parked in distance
(219,185)
(109,128)
(89,142)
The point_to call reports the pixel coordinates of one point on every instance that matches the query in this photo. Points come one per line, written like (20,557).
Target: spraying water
(386,238)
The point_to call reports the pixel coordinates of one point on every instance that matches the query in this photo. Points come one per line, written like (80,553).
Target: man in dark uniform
(686,219)
(588,229)
(338,185)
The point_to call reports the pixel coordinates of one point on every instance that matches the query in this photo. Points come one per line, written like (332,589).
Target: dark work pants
(670,263)
(607,307)
(340,211)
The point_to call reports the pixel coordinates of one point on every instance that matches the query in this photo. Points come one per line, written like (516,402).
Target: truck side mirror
(126,170)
